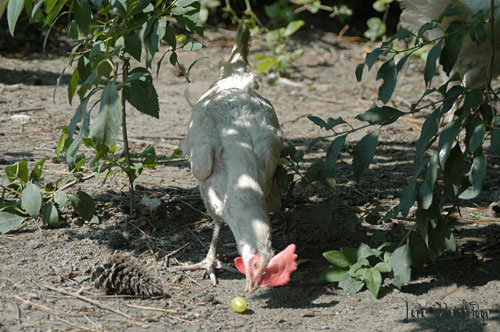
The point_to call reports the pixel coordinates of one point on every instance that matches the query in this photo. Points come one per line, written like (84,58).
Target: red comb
(279,269)
(240,265)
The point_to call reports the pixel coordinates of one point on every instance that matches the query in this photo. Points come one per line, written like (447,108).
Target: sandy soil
(38,293)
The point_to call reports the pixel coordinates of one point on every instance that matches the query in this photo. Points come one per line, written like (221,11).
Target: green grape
(239,304)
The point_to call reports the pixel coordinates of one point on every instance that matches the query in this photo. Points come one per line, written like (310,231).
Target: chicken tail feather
(240,48)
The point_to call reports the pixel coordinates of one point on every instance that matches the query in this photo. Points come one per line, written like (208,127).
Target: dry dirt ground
(38,293)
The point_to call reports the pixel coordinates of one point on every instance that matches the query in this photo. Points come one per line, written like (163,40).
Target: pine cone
(126,276)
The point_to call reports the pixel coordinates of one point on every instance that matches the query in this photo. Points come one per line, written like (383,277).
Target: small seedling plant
(354,268)
(27,196)
(112,61)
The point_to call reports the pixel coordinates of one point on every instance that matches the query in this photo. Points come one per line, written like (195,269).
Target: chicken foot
(210,263)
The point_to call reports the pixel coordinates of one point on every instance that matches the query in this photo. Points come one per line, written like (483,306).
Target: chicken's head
(264,271)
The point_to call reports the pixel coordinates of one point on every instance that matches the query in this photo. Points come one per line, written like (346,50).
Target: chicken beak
(251,285)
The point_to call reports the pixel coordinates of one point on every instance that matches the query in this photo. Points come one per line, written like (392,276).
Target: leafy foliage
(441,175)
(108,34)
(26,197)
(354,268)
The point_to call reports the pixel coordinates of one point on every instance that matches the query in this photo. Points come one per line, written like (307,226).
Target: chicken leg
(211,263)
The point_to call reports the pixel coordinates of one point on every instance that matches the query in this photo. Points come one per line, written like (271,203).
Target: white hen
(474,58)
(234,144)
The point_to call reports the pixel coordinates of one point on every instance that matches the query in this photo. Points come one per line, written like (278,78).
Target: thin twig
(72,183)
(197,238)
(176,250)
(18,313)
(125,144)
(83,328)
(191,279)
(192,207)
(50,310)
(162,310)
(86,299)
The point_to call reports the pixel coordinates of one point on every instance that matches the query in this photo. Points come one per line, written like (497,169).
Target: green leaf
(434,231)
(141,94)
(430,64)
(376,28)
(383,267)
(332,155)
(31,200)
(10,221)
(451,97)
(28,7)
(380,115)
(400,262)
(14,8)
(133,45)
(104,129)
(82,115)
(62,140)
(61,198)
(195,62)
(429,130)
(292,28)
(333,274)
(350,254)
(495,141)
(389,74)
(18,171)
(446,139)
(192,46)
(187,14)
(84,68)
(82,14)
(402,61)
(452,46)
(364,152)
(49,5)
(173,58)
(453,171)
(266,64)
(36,173)
(418,250)
(476,178)
(451,10)
(379,5)
(332,123)
(281,177)
(373,280)
(337,259)
(426,27)
(317,120)
(407,197)
(371,57)
(50,216)
(169,37)
(427,187)
(350,285)
(359,71)
(83,204)
(72,85)
(322,214)
(472,100)
(364,251)
(476,129)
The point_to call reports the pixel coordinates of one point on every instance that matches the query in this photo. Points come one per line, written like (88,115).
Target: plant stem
(125,142)
(492,41)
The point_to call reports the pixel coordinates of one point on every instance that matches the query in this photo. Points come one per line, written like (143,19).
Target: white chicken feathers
(473,60)
(234,143)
